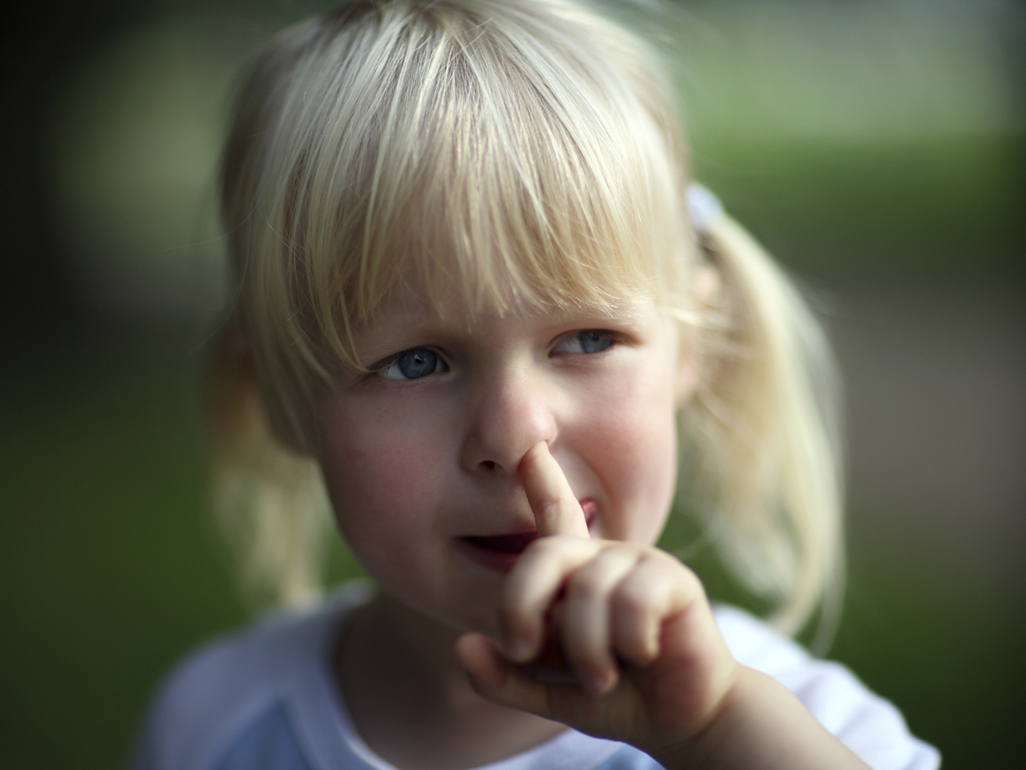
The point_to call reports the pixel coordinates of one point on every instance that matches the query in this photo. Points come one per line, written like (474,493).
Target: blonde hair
(497,154)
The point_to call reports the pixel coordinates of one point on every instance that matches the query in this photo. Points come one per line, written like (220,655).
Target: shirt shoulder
(868,724)
(236,691)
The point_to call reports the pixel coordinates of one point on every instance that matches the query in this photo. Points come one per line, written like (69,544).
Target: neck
(410,700)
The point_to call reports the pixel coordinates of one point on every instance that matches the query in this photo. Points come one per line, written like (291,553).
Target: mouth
(501,552)
(513,543)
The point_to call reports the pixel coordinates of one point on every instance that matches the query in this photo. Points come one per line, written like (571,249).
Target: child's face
(420,458)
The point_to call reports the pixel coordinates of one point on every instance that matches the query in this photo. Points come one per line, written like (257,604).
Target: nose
(508,413)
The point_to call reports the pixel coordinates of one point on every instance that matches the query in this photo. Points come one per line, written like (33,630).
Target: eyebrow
(407,326)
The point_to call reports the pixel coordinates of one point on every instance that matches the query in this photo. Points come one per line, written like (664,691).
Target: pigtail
(268,500)
(762,435)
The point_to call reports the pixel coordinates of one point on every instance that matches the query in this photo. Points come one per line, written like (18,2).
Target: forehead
(508,282)
(411,316)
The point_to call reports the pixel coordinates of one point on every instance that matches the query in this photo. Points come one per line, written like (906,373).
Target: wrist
(759,725)
(695,750)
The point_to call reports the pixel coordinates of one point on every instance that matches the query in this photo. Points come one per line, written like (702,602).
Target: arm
(760,724)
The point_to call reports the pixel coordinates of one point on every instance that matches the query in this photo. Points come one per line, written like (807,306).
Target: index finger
(556,509)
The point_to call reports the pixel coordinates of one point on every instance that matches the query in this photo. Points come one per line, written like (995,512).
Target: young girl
(474,290)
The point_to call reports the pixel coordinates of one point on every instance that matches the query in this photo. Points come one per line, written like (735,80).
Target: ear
(232,401)
(235,354)
(707,285)
(238,402)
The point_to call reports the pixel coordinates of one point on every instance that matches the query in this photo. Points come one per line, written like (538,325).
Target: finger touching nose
(556,508)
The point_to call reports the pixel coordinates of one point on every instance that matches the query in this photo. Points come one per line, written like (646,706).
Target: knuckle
(633,644)
(690,582)
(587,584)
(546,509)
(636,600)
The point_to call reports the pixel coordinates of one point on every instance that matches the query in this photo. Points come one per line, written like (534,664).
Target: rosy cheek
(637,452)
(376,465)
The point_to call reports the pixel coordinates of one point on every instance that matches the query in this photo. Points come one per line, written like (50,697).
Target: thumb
(495,678)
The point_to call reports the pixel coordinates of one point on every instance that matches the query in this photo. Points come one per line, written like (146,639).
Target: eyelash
(603,335)
(381,367)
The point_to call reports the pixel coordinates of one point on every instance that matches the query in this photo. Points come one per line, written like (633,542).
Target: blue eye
(411,365)
(589,341)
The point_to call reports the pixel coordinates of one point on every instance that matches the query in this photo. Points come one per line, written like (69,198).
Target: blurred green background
(877,148)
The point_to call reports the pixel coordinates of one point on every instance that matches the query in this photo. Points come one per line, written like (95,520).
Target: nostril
(488,465)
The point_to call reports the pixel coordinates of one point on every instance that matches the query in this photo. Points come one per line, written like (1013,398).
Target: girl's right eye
(410,365)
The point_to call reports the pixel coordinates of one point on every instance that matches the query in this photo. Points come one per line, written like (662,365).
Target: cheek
(378,470)
(634,451)
(647,464)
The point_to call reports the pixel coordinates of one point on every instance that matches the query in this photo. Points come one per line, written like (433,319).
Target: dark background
(877,148)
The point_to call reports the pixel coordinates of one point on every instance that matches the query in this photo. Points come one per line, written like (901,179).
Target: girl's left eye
(589,341)
(411,365)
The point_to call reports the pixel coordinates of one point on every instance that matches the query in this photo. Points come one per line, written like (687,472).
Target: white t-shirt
(264,699)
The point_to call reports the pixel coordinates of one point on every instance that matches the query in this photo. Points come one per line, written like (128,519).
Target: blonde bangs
(491,158)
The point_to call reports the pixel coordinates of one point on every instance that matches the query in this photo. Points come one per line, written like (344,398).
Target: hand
(633,623)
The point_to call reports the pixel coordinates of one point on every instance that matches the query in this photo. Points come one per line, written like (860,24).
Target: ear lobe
(231,397)
(237,404)
(707,285)
(236,352)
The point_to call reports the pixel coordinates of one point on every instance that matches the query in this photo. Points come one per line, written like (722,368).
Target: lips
(505,543)
(502,551)
(497,552)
